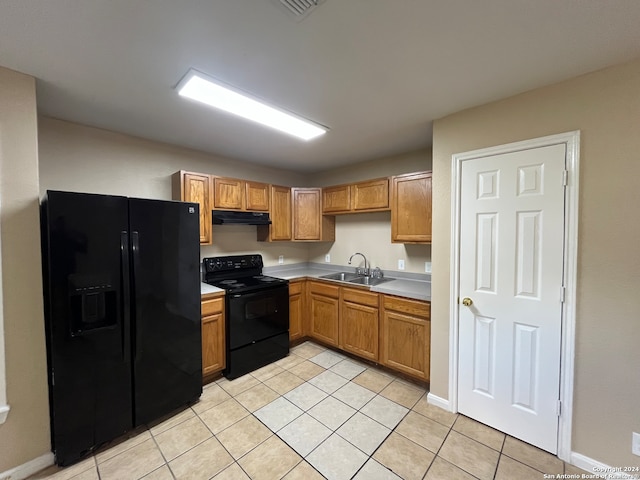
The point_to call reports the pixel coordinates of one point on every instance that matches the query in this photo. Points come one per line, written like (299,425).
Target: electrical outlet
(400,264)
(635,443)
(327,258)
(281,259)
(427,267)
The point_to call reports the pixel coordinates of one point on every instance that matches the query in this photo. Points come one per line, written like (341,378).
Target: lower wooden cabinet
(213,342)
(393,331)
(359,323)
(296,309)
(406,336)
(324,310)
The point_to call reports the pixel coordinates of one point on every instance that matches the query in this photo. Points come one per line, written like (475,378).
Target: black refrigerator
(121,281)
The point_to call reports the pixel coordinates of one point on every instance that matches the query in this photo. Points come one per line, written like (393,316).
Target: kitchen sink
(342,276)
(370,281)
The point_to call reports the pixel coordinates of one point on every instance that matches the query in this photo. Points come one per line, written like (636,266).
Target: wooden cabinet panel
(324,312)
(308,222)
(213,331)
(228,193)
(336,199)
(257,196)
(195,187)
(406,336)
(359,323)
(296,309)
(371,195)
(306,214)
(411,208)
(280,214)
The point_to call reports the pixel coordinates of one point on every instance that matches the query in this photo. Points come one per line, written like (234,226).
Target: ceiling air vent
(299,9)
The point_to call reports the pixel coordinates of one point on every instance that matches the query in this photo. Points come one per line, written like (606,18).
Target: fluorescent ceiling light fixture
(200,87)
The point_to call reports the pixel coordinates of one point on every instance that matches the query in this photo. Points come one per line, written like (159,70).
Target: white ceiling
(377,72)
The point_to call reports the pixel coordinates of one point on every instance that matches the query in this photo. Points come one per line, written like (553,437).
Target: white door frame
(567,354)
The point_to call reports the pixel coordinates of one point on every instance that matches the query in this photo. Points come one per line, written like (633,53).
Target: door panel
(86,321)
(511,266)
(166,294)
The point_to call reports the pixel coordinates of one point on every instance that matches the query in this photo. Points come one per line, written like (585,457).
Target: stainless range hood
(230,217)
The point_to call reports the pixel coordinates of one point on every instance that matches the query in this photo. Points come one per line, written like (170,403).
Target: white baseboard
(438,402)
(27,469)
(4,411)
(600,469)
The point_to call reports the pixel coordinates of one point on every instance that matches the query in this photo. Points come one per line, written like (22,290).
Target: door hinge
(565,178)
(559,408)
(563,291)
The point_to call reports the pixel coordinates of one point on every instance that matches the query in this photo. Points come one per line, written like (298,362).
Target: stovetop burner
(238,273)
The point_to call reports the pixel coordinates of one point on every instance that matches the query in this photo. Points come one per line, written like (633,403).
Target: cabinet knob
(467,302)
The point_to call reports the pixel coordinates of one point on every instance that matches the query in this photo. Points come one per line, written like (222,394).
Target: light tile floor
(315,414)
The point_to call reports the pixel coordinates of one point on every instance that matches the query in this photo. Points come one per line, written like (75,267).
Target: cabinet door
(306,214)
(213,341)
(324,319)
(371,195)
(213,359)
(406,343)
(280,213)
(257,196)
(228,193)
(359,330)
(336,199)
(196,187)
(296,309)
(411,208)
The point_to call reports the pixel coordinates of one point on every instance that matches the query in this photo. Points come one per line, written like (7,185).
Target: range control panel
(232,262)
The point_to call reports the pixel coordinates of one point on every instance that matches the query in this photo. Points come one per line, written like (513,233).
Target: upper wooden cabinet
(369,196)
(236,194)
(336,199)
(280,214)
(411,208)
(195,187)
(257,196)
(308,222)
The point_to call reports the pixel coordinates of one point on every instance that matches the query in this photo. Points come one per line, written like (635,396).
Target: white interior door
(511,268)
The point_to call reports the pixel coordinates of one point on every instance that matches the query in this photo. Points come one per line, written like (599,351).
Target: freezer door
(166,336)
(85,266)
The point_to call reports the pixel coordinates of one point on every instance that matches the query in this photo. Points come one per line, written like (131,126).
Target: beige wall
(370,233)
(605,107)
(25,434)
(417,161)
(79,158)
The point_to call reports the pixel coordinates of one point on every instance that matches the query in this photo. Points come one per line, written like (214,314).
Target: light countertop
(416,286)
(206,288)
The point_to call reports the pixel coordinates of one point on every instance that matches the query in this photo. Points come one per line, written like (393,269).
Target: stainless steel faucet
(361,271)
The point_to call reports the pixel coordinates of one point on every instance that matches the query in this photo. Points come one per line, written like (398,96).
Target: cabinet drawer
(211,306)
(295,288)
(404,305)
(360,297)
(324,289)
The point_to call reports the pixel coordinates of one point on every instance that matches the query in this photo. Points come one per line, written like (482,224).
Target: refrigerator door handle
(126,295)
(135,251)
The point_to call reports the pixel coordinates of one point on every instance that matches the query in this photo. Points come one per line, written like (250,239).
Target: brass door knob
(467,302)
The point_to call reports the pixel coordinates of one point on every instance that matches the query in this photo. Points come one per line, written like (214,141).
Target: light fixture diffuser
(200,87)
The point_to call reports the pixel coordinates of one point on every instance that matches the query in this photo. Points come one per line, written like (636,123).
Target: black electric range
(256,312)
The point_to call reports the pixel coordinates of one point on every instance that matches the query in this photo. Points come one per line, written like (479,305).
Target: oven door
(257,315)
